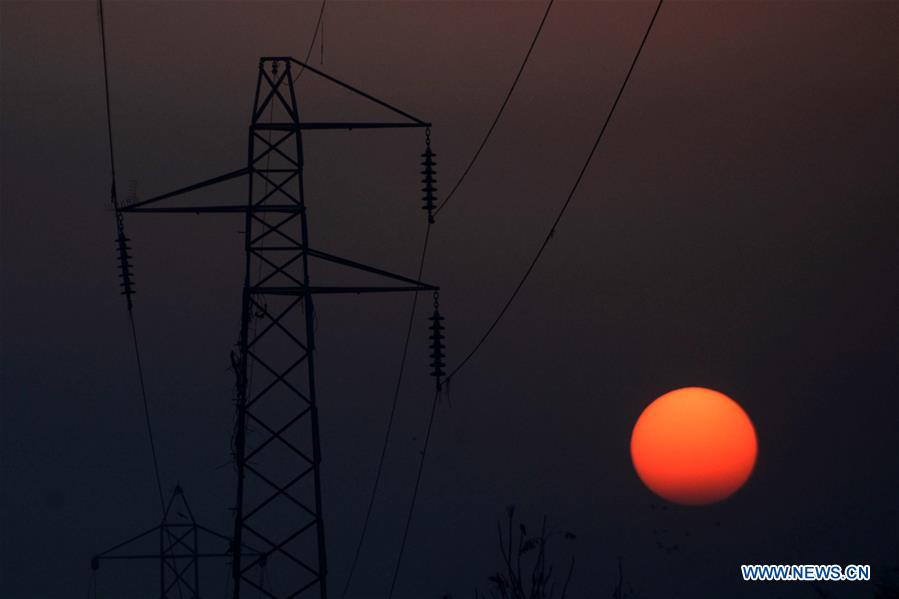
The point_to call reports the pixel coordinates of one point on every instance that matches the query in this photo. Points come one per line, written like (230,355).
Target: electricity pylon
(175,544)
(276,446)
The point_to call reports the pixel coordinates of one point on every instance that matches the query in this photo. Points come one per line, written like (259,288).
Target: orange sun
(693,446)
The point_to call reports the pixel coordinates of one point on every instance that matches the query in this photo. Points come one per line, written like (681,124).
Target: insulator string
(437,345)
(430,178)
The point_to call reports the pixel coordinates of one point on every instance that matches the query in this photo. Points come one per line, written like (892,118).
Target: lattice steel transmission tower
(176,544)
(278,509)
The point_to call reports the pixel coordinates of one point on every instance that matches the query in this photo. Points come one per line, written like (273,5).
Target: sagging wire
(437,355)
(565,204)
(415,489)
(499,113)
(125,259)
(429,200)
(512,297)
(318,26)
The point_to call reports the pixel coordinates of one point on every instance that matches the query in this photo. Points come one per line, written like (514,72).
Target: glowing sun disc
(694,446)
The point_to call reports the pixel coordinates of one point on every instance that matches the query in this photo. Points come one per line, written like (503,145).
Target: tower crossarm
(208,182)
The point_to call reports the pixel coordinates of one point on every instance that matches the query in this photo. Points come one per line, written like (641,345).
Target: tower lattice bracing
(278,508)
(276,441)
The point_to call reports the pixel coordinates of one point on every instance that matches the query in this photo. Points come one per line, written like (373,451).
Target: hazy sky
(736,230)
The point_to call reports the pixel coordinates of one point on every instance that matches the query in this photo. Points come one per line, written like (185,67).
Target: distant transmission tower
(176,544)
(278,510)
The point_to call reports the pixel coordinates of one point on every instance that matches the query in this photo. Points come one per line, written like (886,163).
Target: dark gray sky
(736,230)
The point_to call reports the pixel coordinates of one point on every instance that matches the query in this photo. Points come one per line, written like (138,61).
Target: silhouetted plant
(623,590)
(527,572)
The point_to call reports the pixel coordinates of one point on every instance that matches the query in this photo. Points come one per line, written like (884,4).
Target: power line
(429,190)
(318,24)
(499,112)
(123,257)
(424,251)
(505,308)
(415,489)
(106,88)
(147,420)
(396,394)
(565,205)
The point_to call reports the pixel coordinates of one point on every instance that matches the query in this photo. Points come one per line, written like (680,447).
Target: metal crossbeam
(335,125)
